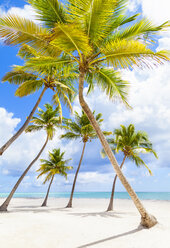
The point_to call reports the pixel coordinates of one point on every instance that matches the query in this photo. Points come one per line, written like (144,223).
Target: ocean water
(97,195)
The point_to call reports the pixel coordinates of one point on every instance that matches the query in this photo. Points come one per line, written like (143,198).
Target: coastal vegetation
(131,144)
(47,120)
(31,79)
(95,38)
(54,165)
(81,129)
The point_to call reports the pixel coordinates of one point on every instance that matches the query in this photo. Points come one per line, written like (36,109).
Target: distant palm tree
(31,79)
(131,143)
(82,129)
(47,120)
(54,165)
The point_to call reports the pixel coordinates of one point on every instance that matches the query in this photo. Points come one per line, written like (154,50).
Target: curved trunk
(69,205)
(46,198)
(110,207)
(146,219)
(21,130)
(4,206)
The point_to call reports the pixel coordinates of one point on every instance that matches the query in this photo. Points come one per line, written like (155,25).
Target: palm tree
(47,120)
(82,129)
(93,34)
(131,144)
(30,80)
(54,165)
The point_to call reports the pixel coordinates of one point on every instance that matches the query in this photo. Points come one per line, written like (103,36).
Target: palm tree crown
(47,120)
(131,143)
(54,165)
(91,34)
(31,78)
(82,128)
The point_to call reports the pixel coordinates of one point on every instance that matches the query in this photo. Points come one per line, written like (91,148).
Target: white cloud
(26,12)
(131,179)
(5,172)
(158,11)
(133,5)
(95,177)
(7,124)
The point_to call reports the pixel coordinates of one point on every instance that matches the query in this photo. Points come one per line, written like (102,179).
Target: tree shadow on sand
(100,214)
(34,209)
(112,237)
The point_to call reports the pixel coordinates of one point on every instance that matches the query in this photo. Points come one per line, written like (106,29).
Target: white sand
(86,225)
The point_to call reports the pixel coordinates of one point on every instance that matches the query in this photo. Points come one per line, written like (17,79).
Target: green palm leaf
(110,81)
(16,30)
(28,87)
(18,77)
(27,52)
(143,27)
(70,38)
(125,54)
(49,12)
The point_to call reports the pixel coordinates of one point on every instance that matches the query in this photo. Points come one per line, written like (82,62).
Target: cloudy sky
(149,96)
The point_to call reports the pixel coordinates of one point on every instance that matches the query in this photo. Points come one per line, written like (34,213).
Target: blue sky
(149,96)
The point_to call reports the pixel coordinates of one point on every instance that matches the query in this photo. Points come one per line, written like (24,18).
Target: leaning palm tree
(48,120)
(93,34)
(30,80)
(131,144)
(54,165)
(82,129)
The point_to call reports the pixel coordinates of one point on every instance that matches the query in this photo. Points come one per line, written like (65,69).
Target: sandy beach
(86,225)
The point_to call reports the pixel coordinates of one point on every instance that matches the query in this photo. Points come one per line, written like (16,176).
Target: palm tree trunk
(69,205)
(21,130)
(146,219)
(110,207)
(46,198)
(4,206)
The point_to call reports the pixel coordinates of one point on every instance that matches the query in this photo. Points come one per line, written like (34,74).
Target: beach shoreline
(87,224)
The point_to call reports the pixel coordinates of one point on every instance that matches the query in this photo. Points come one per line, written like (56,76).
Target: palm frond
(49,12)
(27,52)
(66,101)
(126,54)
(70,136)
(28,87)
(141,29)
(15,30)
(18,77)
(110,82)
(94,16)
(138,161)
(33,128)
(48,64)
(56,101)
(70,38)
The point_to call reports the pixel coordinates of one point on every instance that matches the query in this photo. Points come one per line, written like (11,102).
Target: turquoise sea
(98,195)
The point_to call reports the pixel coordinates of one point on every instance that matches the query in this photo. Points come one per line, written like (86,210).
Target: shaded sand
(86,225)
